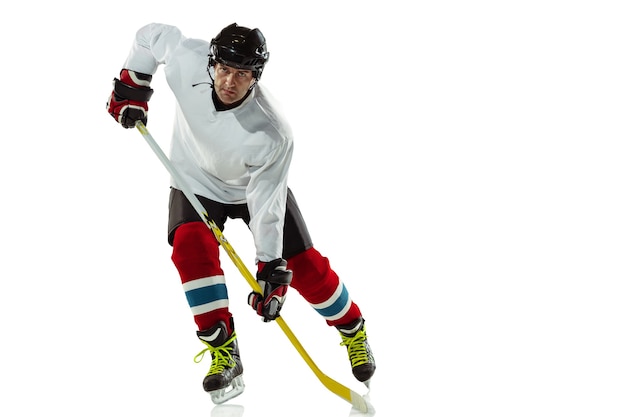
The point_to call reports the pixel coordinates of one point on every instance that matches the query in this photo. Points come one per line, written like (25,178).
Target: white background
(460,163)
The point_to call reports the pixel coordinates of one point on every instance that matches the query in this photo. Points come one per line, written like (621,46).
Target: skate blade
(222,395)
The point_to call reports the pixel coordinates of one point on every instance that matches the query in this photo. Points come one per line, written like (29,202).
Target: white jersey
(237,156)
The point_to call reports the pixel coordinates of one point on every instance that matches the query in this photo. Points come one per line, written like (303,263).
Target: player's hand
(128,102)
(274,279)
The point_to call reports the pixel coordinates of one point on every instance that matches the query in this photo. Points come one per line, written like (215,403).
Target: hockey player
(233,147)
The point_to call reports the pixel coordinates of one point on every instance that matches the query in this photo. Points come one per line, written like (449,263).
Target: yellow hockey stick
(344,392)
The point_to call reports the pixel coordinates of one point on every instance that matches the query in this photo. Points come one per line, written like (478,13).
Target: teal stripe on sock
(337,306)
(205,295)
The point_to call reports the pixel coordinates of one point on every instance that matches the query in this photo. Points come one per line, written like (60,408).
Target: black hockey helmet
(240,47)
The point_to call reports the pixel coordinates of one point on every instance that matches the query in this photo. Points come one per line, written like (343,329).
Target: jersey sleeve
(154,45)
(267,190)
(267,201)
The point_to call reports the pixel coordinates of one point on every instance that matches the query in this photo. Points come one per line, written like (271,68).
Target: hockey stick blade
(342,391)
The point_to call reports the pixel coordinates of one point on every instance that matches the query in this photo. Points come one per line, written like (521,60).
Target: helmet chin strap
(210,69)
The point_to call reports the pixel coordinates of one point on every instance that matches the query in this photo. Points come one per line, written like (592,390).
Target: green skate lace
(221,356)
(356,348)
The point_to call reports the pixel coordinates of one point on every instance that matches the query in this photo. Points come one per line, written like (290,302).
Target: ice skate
(353,336)
(224,380)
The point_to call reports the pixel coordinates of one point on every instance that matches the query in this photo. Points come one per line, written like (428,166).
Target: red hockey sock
(315,280)
(196,256)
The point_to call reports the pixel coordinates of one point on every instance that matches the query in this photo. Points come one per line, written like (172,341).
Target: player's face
(232,84)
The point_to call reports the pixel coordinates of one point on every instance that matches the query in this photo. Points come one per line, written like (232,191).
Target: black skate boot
(224,379)
(353,336)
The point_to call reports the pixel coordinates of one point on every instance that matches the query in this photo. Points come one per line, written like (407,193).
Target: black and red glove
(128,102)
(274,279)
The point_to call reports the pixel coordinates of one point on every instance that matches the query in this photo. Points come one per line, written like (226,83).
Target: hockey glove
(129,100)
(274,279)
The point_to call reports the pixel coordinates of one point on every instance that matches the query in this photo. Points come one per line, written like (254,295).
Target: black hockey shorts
(296,238)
